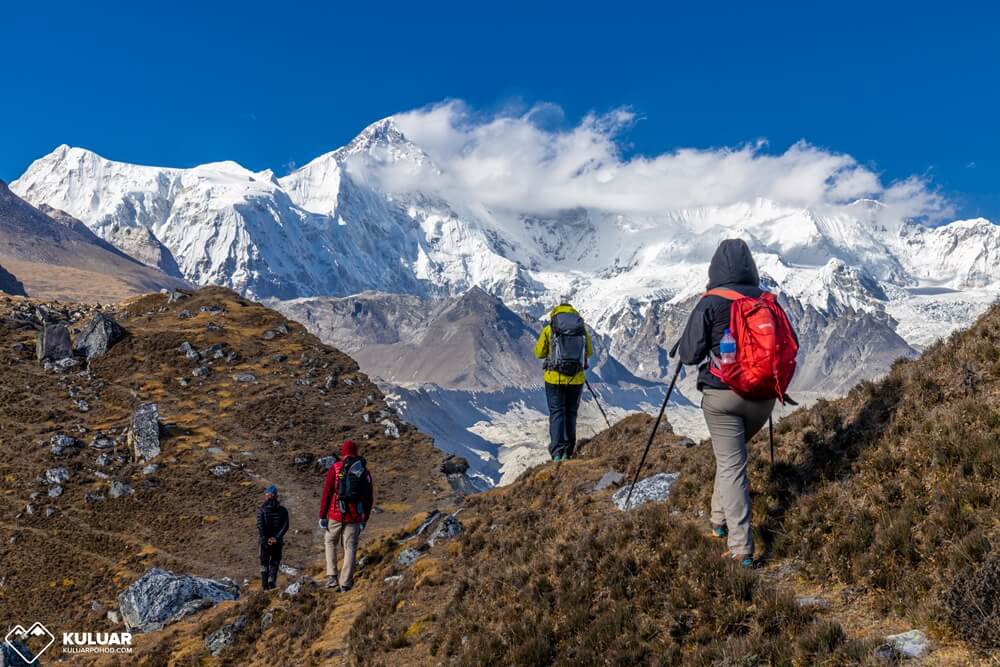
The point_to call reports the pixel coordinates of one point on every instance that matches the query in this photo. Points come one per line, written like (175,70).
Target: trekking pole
(594,394)
(652,433)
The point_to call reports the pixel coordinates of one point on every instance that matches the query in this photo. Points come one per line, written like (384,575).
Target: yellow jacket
(542,350)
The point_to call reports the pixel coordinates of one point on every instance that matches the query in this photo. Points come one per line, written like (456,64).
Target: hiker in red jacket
(348,499)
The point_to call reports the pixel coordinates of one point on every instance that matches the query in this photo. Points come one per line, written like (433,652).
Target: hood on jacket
(349,448)
(732,264)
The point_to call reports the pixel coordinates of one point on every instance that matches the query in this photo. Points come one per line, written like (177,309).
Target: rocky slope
(56,256)
(245,399)
(877,532)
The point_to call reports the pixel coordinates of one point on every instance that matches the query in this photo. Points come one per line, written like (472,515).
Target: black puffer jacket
(733,268)
(272,520)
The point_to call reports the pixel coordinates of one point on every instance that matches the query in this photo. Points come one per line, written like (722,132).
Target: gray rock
(55,492)
(408,557)
(220,470)
(215,450)
(185,314)
(93,498)
(244,377)
(810,601)
(289,570)
(29,509)
(391,429)
(269,335)
(652,489)
(293,589)
(82,405)
(151,469)
(119,489)
(102,442)
(454,465)
(99,336)
(103,459)
(52,343)
(57,475)
(212,308)
(394,579)
(176,295)
(909,644)
(60,442)
(51,512)
(324,463)
(188,351)
(449,528)
(144,432)
(113,617)
(201,371)
(159,598)
(609,479)
(266,619)
(221,639)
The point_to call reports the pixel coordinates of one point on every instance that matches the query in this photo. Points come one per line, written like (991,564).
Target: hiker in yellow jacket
(564,344)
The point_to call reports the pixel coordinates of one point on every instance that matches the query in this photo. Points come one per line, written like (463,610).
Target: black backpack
(352,484)
(568,347)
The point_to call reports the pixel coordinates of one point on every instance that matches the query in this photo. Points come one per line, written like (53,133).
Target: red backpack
(765,347)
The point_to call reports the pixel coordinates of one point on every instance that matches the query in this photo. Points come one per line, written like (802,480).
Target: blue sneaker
(720,531)
(744,561)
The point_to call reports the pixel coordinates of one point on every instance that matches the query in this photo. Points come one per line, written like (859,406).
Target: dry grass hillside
(880,517)
(64,562)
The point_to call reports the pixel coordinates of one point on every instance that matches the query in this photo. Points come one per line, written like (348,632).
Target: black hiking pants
(270,561)
(564,403)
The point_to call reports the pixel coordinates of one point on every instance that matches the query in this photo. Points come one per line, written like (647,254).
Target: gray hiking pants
(732,421)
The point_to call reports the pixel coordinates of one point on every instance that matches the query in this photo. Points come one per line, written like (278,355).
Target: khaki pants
(732,421)
(346,535)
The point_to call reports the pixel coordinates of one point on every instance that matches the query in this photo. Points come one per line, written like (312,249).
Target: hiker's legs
(351,532)
(331,536)
(572,394)
(265,561)
(557,419)
(722,410)
(274,564)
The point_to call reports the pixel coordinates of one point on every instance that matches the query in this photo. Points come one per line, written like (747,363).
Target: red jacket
(330,508)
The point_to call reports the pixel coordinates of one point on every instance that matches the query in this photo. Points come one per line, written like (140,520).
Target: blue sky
(905,88)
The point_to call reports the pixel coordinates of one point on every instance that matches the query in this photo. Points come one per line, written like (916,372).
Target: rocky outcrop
(99,336)
(653,489)
(144,432)
(160,597)
(10,284)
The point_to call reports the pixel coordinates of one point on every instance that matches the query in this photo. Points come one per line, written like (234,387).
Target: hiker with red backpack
(346,506)
(745,348)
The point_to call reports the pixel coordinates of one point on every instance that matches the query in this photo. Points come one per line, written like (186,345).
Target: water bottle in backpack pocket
(727,349)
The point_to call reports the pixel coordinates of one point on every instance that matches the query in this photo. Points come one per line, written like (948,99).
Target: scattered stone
(244,377)
(910,644)
(266,619)
(805,601)
(686,442)
(188,351)
(183,382)
(220,470)
(326,462)
(97,606)
(449,528)
(57,475)
(151,469)
(144,433)
(330,382)
(176,295)
(185,314)
(113,616)
(55,491)
(281,329)
(652,489)
(302,459)
(454,465)
(221,639)
(102,442)
(289,570)
(215,450)
(51,512)
(213,327)
(302,382)
(103,459)
(52,343)
(212,308)
(83,406)
(408,557)
(279,358)
(29,509)
(100,335)
(394,579)
(60,442)
(159,598)
(268,335)
(391,429)
(93,498)
(609,479)
(293,589)
(119,489)
(201,371)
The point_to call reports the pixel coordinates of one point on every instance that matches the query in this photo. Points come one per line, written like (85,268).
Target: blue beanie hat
(272,490)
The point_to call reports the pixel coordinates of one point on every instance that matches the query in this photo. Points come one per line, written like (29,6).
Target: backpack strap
(731,295)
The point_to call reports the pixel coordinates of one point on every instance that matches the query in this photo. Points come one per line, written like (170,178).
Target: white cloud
(516,160)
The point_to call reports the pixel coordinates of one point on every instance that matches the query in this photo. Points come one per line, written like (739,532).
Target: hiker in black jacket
(272,524)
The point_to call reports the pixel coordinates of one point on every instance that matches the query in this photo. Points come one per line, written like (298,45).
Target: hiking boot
(332,582)
(744,560)
(719,531)
(344,589)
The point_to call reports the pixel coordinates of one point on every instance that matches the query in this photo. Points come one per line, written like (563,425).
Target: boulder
(119,489)
(244,377)
(391,429)
(653,489)
(910,644)
(60,442)
(221,639)
(454,465)
(57,475)
(144,432)
(201,372)
(99,336)
(449,528)
(52,343)
(159,598)
(55,491)
(408,557)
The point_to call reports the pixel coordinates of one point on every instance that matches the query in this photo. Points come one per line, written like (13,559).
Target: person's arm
(329,487)
(696,341)
(260,524)
(284,525)
(542,344)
